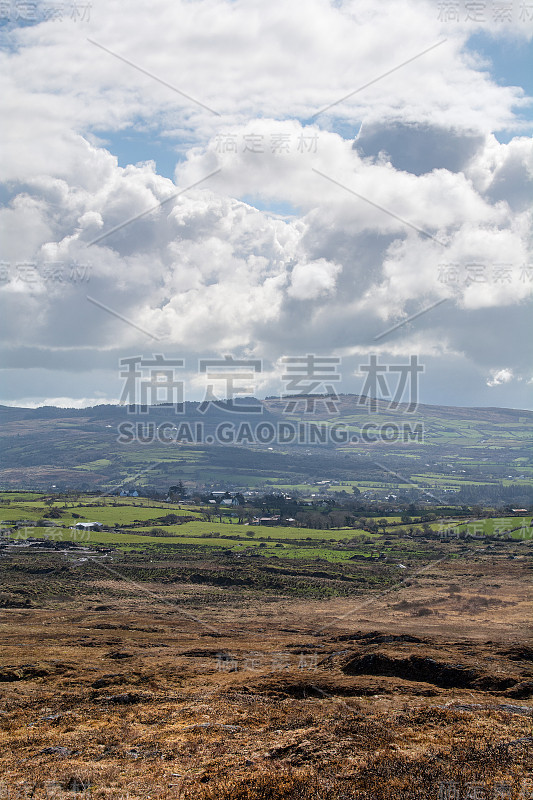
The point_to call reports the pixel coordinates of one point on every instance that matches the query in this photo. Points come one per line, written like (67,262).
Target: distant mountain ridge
(83,448)
(355,404)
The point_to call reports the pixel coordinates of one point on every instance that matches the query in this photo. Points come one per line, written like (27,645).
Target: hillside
(437,449)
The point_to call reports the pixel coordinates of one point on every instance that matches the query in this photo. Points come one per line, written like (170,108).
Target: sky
(197,179)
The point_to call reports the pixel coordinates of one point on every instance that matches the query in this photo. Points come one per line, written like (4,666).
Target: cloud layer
(395,199)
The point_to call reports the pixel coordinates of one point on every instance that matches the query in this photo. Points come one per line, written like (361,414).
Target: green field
(517,528)
(137,518)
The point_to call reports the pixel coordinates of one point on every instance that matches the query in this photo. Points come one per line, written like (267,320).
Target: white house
(87,526)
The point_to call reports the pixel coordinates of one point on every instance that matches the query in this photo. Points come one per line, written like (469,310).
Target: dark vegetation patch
(427,670)
(519,653)
(376,637)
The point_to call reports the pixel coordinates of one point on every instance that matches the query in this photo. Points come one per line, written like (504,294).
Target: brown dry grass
(133,686)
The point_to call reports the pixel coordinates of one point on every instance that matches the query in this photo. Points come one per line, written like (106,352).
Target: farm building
(87,526)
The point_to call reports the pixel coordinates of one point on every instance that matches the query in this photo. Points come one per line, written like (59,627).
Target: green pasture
(517,527)
(126,514)
(130,540)
(283,542)
(265,532)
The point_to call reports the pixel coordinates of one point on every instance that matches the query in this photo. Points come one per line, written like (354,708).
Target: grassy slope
(75,448)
